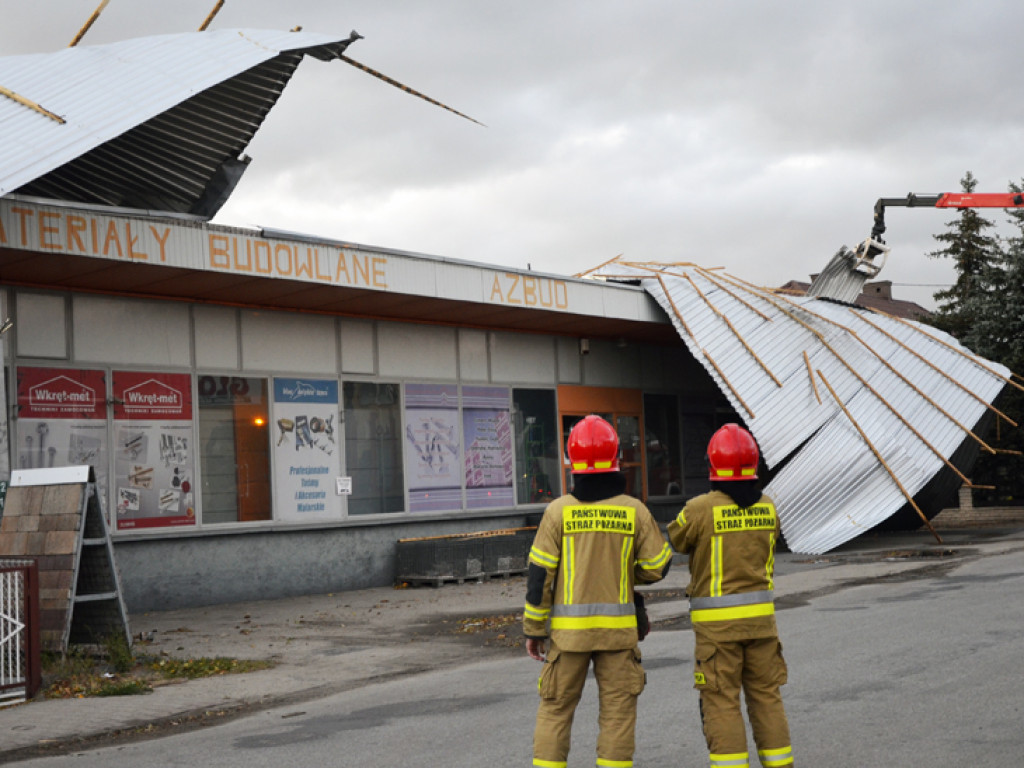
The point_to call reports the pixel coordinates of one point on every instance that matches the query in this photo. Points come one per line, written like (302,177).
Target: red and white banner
(153,457)
(62,420)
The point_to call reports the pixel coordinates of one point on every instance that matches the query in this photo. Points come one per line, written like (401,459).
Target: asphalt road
(922,669)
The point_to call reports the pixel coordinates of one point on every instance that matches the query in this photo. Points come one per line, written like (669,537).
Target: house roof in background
(876,295)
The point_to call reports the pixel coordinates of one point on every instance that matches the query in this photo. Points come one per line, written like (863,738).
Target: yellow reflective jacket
(585,560)
(732,565)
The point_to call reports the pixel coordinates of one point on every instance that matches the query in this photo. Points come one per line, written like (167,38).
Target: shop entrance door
(623,409)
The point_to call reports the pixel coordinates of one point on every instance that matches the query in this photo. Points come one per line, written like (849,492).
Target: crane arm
(944,200)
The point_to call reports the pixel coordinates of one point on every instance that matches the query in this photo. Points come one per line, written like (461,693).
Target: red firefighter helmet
(733,454)
(593,446)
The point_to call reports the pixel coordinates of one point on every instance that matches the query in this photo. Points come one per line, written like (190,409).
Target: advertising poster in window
(62,420)
(154,462)
(432,444)
(487,431)
(306,456)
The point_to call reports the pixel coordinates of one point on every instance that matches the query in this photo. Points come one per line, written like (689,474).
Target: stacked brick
(44,523)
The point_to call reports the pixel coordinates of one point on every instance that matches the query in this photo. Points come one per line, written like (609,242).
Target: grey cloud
(746,134)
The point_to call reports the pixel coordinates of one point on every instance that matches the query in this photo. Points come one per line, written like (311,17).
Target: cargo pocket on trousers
(548,682)
(704,677)
(782,673)
(638,679)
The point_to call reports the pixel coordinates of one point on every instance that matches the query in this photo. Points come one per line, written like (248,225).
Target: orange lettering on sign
(361,269)
(244,266)
(76,226)
(112,238)
(23,216)
(380,278)
(46,229)
(220,257)
(132,253)
(342,269)
(264,265)
(512,299)
(161,240)
(561,294)
(496,290)
(289,263)
(545,302)
(304,267)
(315,256)
(529,291)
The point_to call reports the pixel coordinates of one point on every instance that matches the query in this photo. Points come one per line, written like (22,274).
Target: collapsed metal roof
(155,123)
(856,409)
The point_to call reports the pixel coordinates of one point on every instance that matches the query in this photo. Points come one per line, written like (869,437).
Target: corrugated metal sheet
(148,123)
(844,276)
(912,391)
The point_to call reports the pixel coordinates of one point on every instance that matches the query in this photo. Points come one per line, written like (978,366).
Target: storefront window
(627,428)
(487,458)
(630,454)
(153,456)
(433,447)
(373,447)
(664,459)
(699,424)
(306,455)
(62,420)
(234,449)
(536,440)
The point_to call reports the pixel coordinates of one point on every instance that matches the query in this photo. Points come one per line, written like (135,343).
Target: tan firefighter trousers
(620,679)
(721,670)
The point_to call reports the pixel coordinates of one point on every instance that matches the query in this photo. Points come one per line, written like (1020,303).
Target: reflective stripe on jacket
(732,565)
(592,555)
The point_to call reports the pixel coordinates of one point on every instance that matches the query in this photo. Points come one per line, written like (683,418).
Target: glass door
(628,428)
(631,454)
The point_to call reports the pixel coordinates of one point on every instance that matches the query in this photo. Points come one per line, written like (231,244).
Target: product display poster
(62,420)
(306,457)
(487,431)
(154,465)
(432,447)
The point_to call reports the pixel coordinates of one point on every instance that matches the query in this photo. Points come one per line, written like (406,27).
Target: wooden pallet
(437,581)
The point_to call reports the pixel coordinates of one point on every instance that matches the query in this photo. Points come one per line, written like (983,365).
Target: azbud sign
(153,461)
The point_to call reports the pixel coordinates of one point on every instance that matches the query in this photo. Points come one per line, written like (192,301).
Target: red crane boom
(944,200)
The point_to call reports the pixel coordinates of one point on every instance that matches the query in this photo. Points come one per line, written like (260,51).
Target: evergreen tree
(997,310)
(976,259)
(997,333)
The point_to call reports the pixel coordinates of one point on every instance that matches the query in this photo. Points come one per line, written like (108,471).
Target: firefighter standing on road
(730,536)
(590,549)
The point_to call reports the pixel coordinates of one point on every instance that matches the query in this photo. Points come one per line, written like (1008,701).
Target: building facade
(267,414)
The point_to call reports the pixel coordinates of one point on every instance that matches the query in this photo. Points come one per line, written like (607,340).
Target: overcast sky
(750,134)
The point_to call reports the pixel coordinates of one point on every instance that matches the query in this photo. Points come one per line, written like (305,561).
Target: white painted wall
(416,351)
(42,325)
(113,331)
(289,342)
(216,337)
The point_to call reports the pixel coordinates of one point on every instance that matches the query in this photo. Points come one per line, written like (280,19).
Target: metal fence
(20,673)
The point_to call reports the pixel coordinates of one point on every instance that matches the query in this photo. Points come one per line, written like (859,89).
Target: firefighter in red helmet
(730,536)
(591,547)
